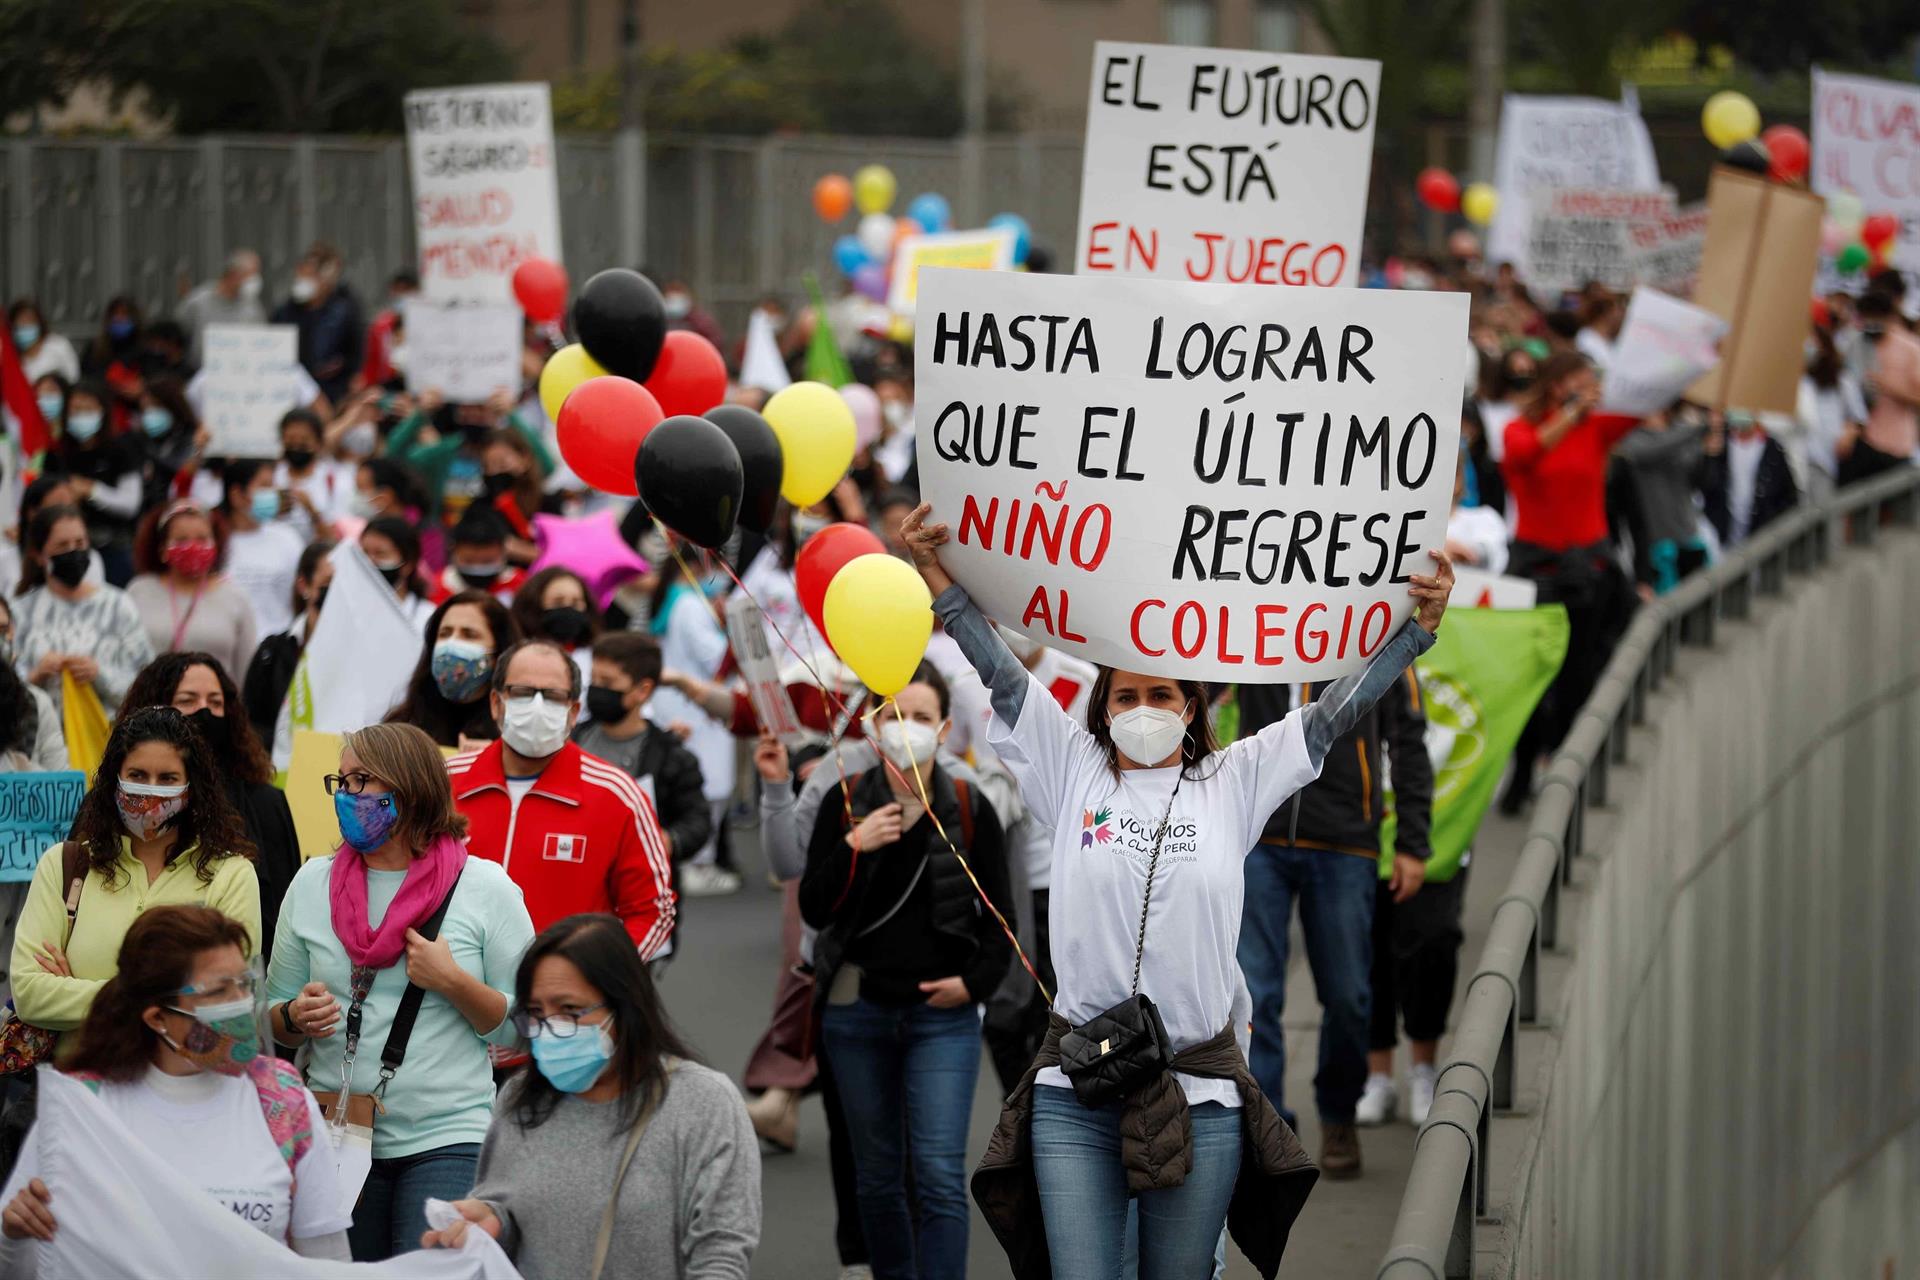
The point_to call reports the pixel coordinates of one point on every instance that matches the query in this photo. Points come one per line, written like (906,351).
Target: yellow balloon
(816,433)
(873,189)
(1479,202)
(1729,118)
(566,369)
(879,617)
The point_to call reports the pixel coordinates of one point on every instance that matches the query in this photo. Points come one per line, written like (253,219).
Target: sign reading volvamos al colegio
(1187,479)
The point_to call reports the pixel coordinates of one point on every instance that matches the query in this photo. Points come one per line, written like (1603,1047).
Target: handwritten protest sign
(249,378)
(1549,142)
(1866,139)
(36,812)
(1581,234)
(1226,165)
(1664,252)
(1219,483)
(772,705)
(1664,346)
(466,352)
(985,250)
(484,189)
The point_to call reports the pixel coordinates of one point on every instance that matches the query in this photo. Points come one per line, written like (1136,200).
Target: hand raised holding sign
(923,542)
(1432,592)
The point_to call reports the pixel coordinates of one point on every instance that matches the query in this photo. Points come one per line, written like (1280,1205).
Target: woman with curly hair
(197,686)
(447,695)
(156,828)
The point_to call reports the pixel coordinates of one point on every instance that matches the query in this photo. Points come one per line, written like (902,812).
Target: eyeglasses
(351,783)
(561,1026)
(515,692)
(239,986)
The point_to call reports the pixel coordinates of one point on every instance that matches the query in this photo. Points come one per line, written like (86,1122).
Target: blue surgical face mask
(120,328)
(155,420)
(25,335)
(265,504)
(571,1065)
(50,403)
(84,425)
(366,820)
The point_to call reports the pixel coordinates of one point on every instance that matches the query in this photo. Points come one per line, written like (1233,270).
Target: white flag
(760,364)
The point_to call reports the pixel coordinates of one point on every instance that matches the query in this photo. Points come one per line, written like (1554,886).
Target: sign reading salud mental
(485,194)
(1186,479)
(1226,165)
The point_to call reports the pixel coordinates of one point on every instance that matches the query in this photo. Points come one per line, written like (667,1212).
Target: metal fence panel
(349,202)
(260,197)
(65,206)
(589,211)
(161,247)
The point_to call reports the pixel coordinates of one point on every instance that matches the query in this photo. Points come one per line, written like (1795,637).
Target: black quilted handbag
(1117,1051)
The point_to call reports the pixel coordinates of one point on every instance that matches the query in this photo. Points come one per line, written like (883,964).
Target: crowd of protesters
(502,917)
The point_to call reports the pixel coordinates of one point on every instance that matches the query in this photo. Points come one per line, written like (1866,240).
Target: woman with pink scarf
(400,905)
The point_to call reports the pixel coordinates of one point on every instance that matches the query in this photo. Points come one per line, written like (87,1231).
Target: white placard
(988,249)
(772,704)
(1185,479)
(1664,252)
(485,193)
(249,377)
(1663,348)
(1226,165)
(1549,142)
(1866,139)
(1581,234)
(465,352)
(1478,589)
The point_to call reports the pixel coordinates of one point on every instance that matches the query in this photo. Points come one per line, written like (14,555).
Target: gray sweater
(690,1205)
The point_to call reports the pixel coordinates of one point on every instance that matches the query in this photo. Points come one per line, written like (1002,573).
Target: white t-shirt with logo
(1103,829)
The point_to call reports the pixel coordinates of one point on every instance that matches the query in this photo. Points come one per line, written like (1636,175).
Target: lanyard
(173,608)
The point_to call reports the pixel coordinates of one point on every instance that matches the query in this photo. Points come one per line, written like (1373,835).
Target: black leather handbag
(1125,1047)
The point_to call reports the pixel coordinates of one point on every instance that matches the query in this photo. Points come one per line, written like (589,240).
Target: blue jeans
(1336,892)
(918,1064)
(1084,1199)
(392,1213)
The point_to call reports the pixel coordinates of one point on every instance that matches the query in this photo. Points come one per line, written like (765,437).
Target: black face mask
(478,581)
(607,706)
(475,433)
(213,730)
(319,598)
(499,483)
(391,575)
(568,626)
(68,568)
(300,459)
(1874,331)
(1519,381)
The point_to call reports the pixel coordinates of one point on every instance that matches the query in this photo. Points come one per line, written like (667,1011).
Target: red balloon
(601,426)
(825,554)
(1821,314)
(1438,190)
(689,377)
(540,286)
(1787,147)
(1878,231)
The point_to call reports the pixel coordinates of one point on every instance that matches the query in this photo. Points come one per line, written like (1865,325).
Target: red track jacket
(585,838)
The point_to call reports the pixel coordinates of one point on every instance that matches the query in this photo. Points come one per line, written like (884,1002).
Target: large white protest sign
(1664,251)
(1664,346)
(249,377)
(1547,143)
(1218,483)
(485,193)
(1581,234)
(1866,139)
(467,353)
(1226,165)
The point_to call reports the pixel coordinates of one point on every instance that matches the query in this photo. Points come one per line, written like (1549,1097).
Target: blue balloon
(1022,233)
(848,255)
(931,210)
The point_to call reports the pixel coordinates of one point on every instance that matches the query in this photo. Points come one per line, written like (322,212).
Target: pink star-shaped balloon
(591,547)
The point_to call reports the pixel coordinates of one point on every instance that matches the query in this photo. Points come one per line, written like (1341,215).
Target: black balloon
(761,462)
(690,477)
(622,322)
(1751,155)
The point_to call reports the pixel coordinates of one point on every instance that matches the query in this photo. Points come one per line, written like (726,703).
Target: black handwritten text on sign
(1225,165)
(1220,483)
(36,812)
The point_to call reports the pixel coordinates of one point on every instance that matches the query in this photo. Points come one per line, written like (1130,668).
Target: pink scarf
(429,878)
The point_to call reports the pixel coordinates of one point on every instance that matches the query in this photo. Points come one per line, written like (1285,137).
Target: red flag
(17,394)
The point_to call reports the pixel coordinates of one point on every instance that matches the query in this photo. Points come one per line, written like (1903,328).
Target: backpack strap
(73,878)
(964,794)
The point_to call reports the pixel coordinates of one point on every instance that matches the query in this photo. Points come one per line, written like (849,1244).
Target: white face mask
(898,413)
(304,288)
(535,727)
(1148,735)
(359,441)
(250,288)
(907,743)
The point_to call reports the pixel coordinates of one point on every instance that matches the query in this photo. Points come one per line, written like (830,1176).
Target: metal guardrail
(1447,1190)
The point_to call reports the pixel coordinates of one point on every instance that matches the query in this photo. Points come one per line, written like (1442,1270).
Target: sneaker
(1379,1100)
(706,880)
(1420,1092)
(859,1271)
(1339,1150)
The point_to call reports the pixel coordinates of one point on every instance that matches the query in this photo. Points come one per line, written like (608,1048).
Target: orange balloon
(832,197)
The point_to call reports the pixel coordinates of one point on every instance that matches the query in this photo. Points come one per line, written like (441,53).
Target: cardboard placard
(772,704)
(985,250)
(1188,479)
(1226,165)
(36,813)
(1763,240)
(1663,348)
(1581,234)
(485,193)
(1866,139)
(315,755)
(1551,142)
(249,378)
(467,353)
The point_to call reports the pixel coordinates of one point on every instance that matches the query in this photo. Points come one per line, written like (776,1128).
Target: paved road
(720,988)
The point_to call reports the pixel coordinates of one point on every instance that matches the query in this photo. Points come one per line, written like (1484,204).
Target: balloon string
(926,803)
(833,700)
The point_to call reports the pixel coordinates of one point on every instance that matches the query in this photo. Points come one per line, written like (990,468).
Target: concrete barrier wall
(1737,1086)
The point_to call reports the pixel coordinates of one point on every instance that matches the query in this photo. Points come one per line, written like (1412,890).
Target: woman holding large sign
(1139,1088)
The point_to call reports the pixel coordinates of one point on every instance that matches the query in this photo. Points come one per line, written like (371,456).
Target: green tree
(1792,35)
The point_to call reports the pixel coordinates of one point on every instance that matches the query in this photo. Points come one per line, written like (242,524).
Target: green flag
(1480,683)
(825,363)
